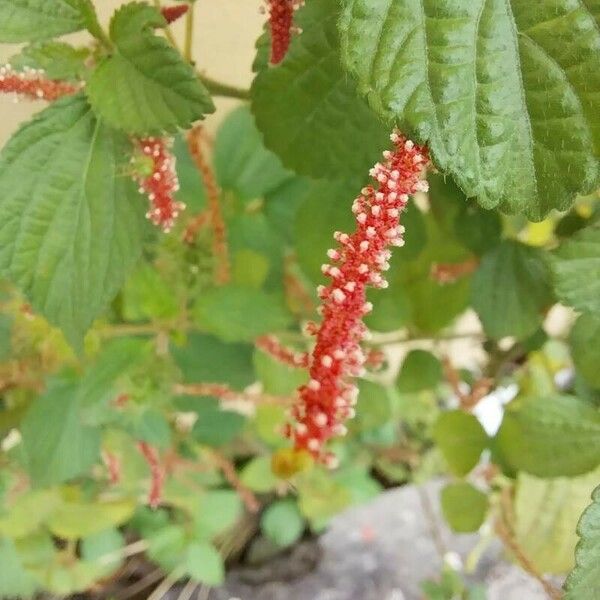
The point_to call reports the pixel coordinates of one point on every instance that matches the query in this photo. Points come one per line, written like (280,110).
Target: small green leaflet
(70,218)
(576,269)
(464,506)
(583,583)
(145,87)
(33,20)
(308,109)
(505,92)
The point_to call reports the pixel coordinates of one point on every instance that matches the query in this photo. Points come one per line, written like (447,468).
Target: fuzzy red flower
(359,260)
(281,24)
(172,13)
(159,181)
(32,84)
(157,473)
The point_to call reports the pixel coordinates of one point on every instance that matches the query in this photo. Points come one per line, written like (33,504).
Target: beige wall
(224,49)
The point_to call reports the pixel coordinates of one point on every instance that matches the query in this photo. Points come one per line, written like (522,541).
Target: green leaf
(145,86)
(215,426)
(308,109)
(206,358)
(504,93)
(191,191)
(551,436)
(585,348)
(420,370)
(464,506)
(70,222)
(576,269)
(104,548)
(242,163)
(478,229)
(14,579)
(282,522)
(57,59)
(374,409)
(258,475)
(204,564)
(72,520)
(546,514)
(582,582)
(461,439)
(32,20)
(235,313)
(325,209)
(217,511)
(511,289)
(320,497)
(57,445)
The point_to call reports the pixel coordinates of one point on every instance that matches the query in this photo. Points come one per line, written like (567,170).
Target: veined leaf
(32,20)
(550,436)
(506,93)
(576,269)
(70,220)
(308,109)
(145,87)
(583,582)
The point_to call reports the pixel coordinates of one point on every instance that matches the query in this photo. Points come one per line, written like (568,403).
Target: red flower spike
(273,347)
(150,454)
(113,466)
(32,84)
(172,13)
(160,182)
(281,24)
(359,261)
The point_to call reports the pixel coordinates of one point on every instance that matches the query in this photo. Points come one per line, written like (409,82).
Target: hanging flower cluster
(158,180)
(358,261)
(172,13)
(151,456)
(281,24)
(32,84)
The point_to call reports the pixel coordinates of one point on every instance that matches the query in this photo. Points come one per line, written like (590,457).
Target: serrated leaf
(32,20)
(583,582)
(308,109)
(58,60)
(461,439)
(282,523)
(576,269)
(585,348)
(70,222)
(505,93)
(510,290)
(145,86)
(57,445)
(551,436)
(464,506)
(546,514)
(234,313)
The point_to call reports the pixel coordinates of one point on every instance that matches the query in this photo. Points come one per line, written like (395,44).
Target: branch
(223,89)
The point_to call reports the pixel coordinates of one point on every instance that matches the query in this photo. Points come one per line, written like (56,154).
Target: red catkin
(150,454)
(31,83)
(160,182)
(113,466)
(273,347)
(358,261)
(172,13)
(281,24)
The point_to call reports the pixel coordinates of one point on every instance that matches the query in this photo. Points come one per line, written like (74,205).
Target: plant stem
(189,33)
(167,29)
(222,89)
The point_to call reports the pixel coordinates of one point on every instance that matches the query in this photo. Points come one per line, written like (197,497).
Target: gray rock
(382,550)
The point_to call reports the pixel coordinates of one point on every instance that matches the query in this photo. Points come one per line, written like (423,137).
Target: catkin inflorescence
(358,261)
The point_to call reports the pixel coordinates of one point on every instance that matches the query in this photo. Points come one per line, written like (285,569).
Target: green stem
(167,29)
(189,33)
(222,89)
